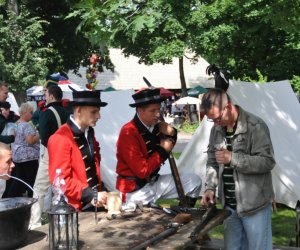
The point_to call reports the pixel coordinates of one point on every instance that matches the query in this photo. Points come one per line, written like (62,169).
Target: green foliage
(260,78)
(154,31)
(71,47)
(38,40)
(290,21)
(176,155)
(23,58)
(188,127)
(295,82)
(243,36)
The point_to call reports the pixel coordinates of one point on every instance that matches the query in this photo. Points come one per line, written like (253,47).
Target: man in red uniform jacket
(141,150)
(74,149)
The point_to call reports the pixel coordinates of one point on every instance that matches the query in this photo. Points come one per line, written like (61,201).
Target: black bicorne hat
(147,96)
(86,98)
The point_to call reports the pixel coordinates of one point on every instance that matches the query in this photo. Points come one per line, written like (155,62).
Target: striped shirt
(229,186)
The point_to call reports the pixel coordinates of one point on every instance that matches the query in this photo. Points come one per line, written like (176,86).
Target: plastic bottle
(59,188)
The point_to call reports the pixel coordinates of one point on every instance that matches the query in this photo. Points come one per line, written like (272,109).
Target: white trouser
(164,187)
(40,187)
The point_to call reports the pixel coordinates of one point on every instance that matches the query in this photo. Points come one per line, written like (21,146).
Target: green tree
(52,40)
(154,31)
(295,82)
(242,36)
(23,59)
(60,33)
(245,36)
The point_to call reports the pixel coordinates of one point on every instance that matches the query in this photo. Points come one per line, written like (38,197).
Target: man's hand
(208,197)
(101,201)
(167,144)
(166,129)
(223,156)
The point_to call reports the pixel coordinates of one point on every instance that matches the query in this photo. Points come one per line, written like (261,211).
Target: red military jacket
(133,158)
(65,154)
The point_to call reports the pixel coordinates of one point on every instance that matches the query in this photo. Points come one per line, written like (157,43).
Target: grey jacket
(252,161)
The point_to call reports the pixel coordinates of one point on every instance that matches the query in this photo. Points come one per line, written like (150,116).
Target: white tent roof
(188,100)
(277,104)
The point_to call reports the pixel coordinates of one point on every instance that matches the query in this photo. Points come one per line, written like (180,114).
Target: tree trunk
(182,78)
(13,5)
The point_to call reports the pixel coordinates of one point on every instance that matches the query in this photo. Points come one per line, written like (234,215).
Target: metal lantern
(63,226)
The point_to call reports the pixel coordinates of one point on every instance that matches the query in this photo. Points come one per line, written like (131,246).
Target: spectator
(41,105)
(53,116)
(240,160)
(25,151)
(6,165)
(7,122)
(169,105)
(7,132)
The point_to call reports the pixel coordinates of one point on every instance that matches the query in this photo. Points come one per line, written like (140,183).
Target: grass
(176,155)
(187,127)
(283,224)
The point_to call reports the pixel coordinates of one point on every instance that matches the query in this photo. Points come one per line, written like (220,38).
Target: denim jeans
(251,232)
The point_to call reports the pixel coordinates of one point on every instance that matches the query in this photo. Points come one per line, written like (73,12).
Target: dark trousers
(26,171)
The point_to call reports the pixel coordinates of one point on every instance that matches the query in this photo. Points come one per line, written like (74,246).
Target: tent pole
(199,120)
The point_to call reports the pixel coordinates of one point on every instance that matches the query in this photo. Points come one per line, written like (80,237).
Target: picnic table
(126,231)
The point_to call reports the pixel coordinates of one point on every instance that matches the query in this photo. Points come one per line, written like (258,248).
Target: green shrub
(295,82)
(187,127)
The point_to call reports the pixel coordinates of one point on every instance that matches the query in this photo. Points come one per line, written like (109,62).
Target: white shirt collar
(150,128)
(77,125)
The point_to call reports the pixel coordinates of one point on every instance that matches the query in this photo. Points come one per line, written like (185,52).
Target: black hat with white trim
(147,96)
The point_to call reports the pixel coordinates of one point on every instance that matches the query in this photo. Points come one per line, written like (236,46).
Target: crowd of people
(240,159)
(169,107)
